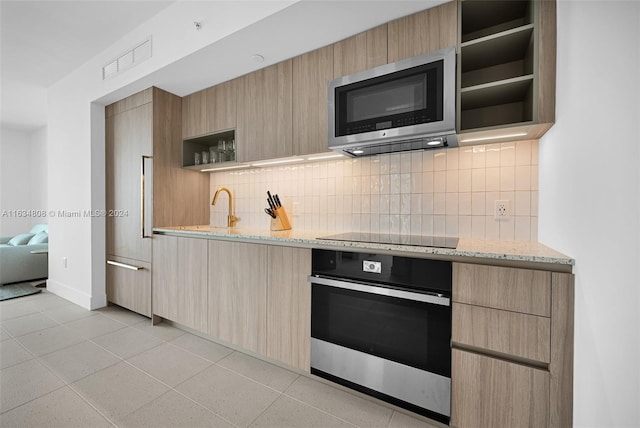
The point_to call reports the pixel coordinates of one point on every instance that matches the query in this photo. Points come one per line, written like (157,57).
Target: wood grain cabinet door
(311,75)
(129,137)
(221,106)
(360,52)
(423,32)
(492,393)
(237,294)
(127,287)
(180,280)
(289,306)
(194,114)
(263,128)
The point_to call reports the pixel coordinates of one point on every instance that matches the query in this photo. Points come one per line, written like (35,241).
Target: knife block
(281,222)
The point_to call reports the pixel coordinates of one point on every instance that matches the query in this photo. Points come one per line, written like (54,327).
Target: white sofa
(25,257)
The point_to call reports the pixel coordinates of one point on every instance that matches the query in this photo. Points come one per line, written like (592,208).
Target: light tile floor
(63,366)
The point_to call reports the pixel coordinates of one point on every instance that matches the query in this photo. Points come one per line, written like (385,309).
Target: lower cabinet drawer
(511,333)
(493,393)
(129,284)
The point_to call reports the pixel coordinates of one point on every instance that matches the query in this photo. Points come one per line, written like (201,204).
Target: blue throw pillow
(21,239)
(41,237)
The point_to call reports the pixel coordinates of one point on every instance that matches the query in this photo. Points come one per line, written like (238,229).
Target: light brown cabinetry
(512,334)
(129,284)
(311,74)
(194,114)
(423,32)
(289,306)
(506,67)
(221,106)
(360,52)
(264,128)
(488,392)
(143,133)
(237,294)
(210,110)
(180,280)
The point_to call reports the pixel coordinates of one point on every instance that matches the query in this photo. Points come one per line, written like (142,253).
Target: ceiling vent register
(132,57)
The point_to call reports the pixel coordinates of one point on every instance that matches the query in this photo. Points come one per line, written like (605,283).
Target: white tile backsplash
(435,192)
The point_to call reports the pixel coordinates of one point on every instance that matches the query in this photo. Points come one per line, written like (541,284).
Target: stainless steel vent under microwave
(407,105)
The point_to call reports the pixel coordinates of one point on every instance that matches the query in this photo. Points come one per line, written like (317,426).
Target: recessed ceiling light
(257,58)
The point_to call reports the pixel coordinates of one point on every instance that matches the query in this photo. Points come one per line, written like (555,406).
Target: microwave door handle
(383,291)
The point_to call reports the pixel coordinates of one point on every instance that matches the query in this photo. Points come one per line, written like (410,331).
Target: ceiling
(43,41)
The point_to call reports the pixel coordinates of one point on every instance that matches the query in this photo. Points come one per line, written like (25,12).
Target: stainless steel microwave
(406,105)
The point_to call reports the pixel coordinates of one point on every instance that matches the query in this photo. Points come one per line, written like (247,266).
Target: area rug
(20,289)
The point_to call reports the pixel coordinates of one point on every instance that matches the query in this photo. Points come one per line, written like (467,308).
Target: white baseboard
(69,293)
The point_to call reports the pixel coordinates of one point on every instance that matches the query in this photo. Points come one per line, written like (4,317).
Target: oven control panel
(371,266)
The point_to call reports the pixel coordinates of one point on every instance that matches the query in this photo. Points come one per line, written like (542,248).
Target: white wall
(23,165)
(590,201)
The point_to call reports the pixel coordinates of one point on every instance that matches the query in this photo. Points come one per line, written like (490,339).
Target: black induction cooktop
(395,239)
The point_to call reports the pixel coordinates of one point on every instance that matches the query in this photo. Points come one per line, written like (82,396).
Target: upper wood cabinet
(311,74)
(264,113)
(194,114)
(221,106)
(423,32)
(210,110)
(360,52)
(506,68)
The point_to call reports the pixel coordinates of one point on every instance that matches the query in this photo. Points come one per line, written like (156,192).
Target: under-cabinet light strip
(223,168)
(469,140)
(276,162)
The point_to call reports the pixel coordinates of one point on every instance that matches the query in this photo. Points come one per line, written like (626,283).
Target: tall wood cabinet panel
(145,129)
(289,306)
(423,32)
(487,392)
(237,294)
(129,138)
(221,106)
(311,74)
(264,113)
(360,52)
(180,196)
(180,280)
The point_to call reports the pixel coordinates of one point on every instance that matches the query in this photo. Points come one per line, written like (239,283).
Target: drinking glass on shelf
(213,154)
(196,158)
(222,150)
(205,157)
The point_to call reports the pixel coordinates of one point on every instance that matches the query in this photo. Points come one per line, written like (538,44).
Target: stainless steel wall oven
(381,324)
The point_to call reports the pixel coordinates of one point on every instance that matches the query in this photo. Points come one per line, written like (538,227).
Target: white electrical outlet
(502,209)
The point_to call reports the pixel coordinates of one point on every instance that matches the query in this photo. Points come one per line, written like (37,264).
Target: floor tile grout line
(171,388)
(254,380)
(318,409)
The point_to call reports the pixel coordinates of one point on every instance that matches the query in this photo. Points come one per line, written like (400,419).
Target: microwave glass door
(413,333)
(404,98)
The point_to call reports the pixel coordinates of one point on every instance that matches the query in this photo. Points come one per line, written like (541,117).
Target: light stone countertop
(527,254)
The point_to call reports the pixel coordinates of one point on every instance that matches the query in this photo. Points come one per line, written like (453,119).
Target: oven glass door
(409,332)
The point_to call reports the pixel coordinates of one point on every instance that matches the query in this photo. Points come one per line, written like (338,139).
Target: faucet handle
(232,220)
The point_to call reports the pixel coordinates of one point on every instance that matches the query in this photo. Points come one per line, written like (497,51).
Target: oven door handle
(434,298)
